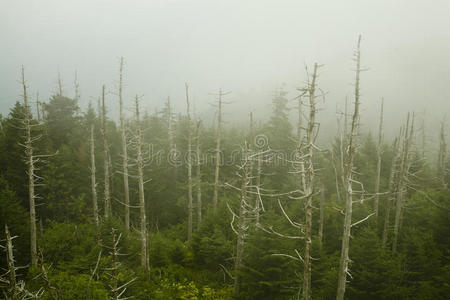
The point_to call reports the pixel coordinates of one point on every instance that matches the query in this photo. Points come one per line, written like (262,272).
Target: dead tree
(321,214)
(37,108)
(242,224)
(308,182)
(379,150)
(60,84)
(124,151)
(442,157)
(15,288)
(140,168)
(348,181)
(218,150)
(44,273)
(391,189)
(170,125)
(199,175)
(113,272)
(107,197)
(31,160)
(189,165)
(93,179)
(77,88)
(403,178)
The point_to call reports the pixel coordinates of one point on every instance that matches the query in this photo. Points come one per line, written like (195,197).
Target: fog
(251,48)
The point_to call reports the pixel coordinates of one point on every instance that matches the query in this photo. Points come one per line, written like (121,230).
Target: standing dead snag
(379,149)
(116,290)
(93,180)
(403,178)
(30,161)
(242,225)
(391,190)
(105,158)
(321,214)
(15,289)
(308,183)
(124,151)
(442,157)
(218,151)
(140,167)
(199,175)
(189,165)
(347,181)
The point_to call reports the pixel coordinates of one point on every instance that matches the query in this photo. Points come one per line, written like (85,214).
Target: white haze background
(251,48)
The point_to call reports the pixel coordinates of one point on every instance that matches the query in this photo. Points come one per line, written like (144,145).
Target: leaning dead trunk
(348,179)
(30,161)
(126,192)
(189,165)
(105,158)
(140,167)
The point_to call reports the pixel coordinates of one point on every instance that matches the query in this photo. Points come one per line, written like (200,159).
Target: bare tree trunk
(124,151)
(37,108)
(442,157)
(344,260)
(169,125)
(189,165)
(93,181)
(379,149)
(105,158)
(60,85)
(30,172)
(77,88)
(241,224)
(321,213)
(217,169)
(140,166)
(10,262)
(404,168)
(391,187)
(309,187)
(199,176)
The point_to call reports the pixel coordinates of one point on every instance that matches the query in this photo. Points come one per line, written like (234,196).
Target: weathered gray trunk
(10,263)
(241,225)
(140,167)
(30,172)
(391,187)
(93,180)
(308,182)
(378,176)
(348,178)
(217,169)
(107,198)
(402,180)
(126,193)
(199,176)
(321,214)
(189,165)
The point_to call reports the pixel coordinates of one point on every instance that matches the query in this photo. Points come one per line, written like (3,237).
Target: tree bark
(241,225)
(391,187)
(189,165)
(93,180)
(309,187)
(126,192)
(379,149)
(107,198)
(217,169)
(348,178)
(199,177)
(30,172)
(140,166)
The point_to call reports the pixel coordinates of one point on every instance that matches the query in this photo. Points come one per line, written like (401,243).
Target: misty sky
(248,47)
